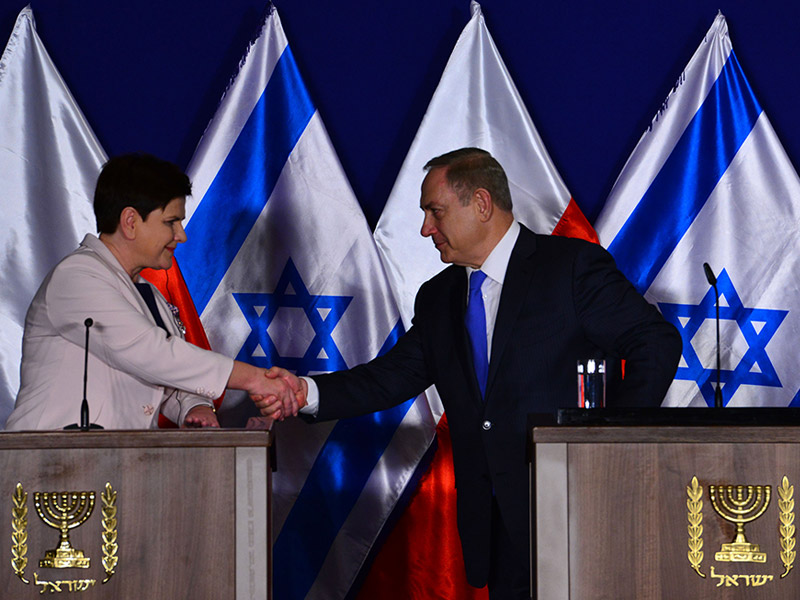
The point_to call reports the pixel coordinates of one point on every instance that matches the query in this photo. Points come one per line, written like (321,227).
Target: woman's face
(159,234)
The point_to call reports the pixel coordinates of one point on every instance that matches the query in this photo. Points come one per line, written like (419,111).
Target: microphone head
(88,322)
(709,274)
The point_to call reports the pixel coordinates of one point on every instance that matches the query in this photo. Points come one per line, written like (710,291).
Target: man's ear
(483,203)
(129,220)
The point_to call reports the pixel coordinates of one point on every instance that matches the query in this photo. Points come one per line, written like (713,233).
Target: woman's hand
(201,416)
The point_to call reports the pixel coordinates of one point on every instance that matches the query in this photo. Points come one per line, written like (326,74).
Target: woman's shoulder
(82,271)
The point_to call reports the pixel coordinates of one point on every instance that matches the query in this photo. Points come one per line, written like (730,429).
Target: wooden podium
(177,514)
(624,513)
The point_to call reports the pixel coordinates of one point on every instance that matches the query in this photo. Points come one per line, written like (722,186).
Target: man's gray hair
(471,168)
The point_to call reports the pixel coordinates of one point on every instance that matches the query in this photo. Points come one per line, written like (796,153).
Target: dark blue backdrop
(148,74)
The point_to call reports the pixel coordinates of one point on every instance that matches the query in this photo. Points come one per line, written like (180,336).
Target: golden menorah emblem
(64,511)
(740,504)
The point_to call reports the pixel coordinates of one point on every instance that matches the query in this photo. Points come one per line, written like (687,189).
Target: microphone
(84,424)
(712,280)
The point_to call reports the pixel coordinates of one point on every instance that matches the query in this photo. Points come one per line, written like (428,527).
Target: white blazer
(134,372)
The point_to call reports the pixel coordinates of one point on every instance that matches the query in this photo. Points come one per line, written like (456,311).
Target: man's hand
(275,392)
(201,416)
(277,406)
(273,397)
(298,386)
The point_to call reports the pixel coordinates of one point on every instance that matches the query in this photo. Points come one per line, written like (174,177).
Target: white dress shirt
(495,267)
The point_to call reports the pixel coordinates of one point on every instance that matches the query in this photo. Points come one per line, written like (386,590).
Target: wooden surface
(626,517)
(128,438)
(176,496)
(690,435)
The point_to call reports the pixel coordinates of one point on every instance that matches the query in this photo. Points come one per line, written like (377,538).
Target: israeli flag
(709,182)
(283,270)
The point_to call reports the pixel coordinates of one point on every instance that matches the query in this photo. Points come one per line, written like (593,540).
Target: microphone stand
(84,424)
(713,281)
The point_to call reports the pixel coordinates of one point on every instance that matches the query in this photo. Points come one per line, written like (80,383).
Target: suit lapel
(515,287)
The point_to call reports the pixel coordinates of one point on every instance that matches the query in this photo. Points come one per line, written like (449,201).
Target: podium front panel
(638,513)
(151,514)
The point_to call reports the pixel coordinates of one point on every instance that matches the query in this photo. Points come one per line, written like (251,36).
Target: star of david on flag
(710,182)
(322,313)
(755,326)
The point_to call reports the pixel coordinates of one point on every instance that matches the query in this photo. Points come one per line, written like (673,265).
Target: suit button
(487,425)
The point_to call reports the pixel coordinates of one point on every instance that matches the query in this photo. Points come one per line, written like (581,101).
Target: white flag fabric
(709,182)
(283,270)
(476,104)
(49,162)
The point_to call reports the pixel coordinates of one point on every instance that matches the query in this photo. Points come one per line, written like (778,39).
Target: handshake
(279,393)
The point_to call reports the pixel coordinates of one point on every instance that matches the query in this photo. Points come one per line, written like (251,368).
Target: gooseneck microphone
(84,424)
(712,280)
(85,403)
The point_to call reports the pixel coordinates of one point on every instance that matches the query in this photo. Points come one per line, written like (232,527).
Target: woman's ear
(128,221)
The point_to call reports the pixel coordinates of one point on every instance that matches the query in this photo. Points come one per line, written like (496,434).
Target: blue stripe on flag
(690,174)
(336,481)
(245,181)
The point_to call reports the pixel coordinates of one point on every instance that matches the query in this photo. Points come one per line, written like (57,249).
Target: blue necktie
(476,327)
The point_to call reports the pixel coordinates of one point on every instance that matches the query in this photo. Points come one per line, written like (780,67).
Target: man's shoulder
(438,291)
(556,241)
(445,277)
(530,243)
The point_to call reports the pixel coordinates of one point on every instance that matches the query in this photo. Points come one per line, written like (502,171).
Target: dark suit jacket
(562,300)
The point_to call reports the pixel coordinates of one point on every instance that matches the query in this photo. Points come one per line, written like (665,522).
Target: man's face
(454,228)
(160,233)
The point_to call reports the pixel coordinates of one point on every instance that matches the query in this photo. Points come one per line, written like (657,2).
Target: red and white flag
(49,161)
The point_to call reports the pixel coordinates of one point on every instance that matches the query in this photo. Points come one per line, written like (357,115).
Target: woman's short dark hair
(141,181)
(471,168)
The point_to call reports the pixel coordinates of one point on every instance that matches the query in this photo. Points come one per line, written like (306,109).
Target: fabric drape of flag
(283,270)
(49,161)
(475,104)
(709,182)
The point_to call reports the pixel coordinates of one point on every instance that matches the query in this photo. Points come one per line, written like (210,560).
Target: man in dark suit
(499,332)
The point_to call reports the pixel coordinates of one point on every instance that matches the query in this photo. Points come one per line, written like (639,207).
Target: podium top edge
(677,417)
(129,438)
(646,434)
(667,425)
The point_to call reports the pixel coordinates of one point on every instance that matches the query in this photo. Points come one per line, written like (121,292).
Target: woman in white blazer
(139,364)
